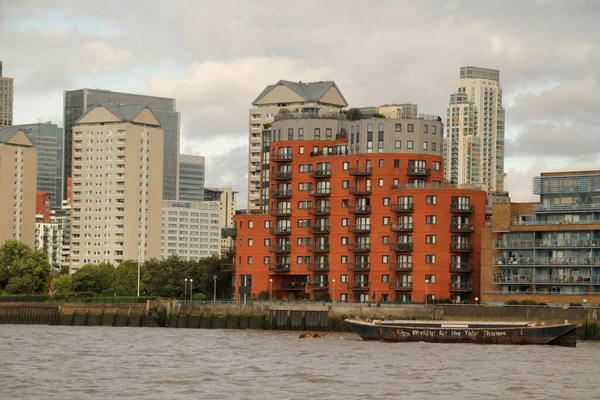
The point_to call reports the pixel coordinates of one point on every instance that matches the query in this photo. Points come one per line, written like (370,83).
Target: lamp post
(191,287)
(214,289)
(185,290)
(584,302)
(426,283)
(476,301)
(270,289)
(139,269)
(333,286)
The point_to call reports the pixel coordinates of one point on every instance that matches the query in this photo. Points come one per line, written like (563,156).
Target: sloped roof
(7,132)
(309,91)
(124,112)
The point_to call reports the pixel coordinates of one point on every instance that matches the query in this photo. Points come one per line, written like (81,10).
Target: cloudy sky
(216,57)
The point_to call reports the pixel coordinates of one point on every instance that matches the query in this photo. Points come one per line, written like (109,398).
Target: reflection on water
(137,363)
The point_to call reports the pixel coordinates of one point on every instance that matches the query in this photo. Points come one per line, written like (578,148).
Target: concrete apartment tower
(318,98)
(117,185)
(48,140)
(77,102)
(6,99)
(191,174)
(18,171)
(227,206)
(474,142)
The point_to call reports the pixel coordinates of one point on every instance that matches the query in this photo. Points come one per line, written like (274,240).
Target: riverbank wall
(297,317)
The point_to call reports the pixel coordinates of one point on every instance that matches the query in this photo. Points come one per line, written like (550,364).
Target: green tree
(165,277)
(97,279)
(62,285)
(126,278)
(353,114)
(23,270)
(285,111)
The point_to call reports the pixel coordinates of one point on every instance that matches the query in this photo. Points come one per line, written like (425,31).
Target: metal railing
(461,247)
(360,171)
(417,171)
(466,228)
(403,286)
(401,247)
(462,208)
(461,267)
(320,192)
(320,173)
(402,207)
(362,228)
(461,287)
(558,262)
(566,207)
(402,266)
(359,209)
(543,243)
(359,266)
(358,190)
(403,227)
(281,230)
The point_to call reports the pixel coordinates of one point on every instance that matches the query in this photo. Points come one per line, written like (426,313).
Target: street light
(333,281)
(426,282)
(191,287)
(584,302)
(214,289)
(185,290)
(476,301)
(139,269)
(270,290)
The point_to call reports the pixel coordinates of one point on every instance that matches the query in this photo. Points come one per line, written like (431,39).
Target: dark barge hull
(556,335)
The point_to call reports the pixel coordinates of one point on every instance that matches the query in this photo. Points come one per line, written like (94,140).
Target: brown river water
(52,362)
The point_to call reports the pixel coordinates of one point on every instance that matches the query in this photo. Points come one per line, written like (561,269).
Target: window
(304,205)
(290,133)
(250,260)
(250,242)
(380,182)
(410,128)
(385,240)
(430,239)
(344,221)
(386,220)
(431,219)
(266,260)
(430,278)
(425,128)
(344,241)
(250,224)
(433,146)
(380,163)
(303,223)
(396,163)
(430,259)
(344,278)
(344,259)
(436,165)
(305,167)
(386,201)
(431,200)
(301,148)
(303,241)
(317,133)
(345,203)
(424,145)
(433,129)
(303,260)
(304,186)
(398,127)
(328,135)
(409,144)
(346,165)
(398,144)
(345,184)
(301,134)
(268,223)
(267,242)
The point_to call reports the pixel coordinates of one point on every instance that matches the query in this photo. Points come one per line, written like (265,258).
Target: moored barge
(466,332)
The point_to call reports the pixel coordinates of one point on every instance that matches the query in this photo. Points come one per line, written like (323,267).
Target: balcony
(360,171)
(293,286)
(462,228)
(462,208)
(401,247)
(360,209)
(280,248)
(319,248)
(401,286)
(321,192)
(281,194)
(228,267)
(547,280)
(318,267)
(281,212)
(360,191)
(401,266)
(416,171)
(461,267)
(358,286)
(319,211)
(279,268)
(402,208)
(281,231)
(318,285)
(281,158)
(357,267)
(364,228)
(281,176)
(319,230)
(551,262)
(320,174)
(461,247)
(545,243)
(405,227)
(359,247)
(462,287)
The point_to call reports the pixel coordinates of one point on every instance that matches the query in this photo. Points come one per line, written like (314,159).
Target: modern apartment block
(6,99)
(191,174)
(227,208)
(358,212)
(77,102)
(474,142)
(48,140)
(18,170)
(320,98)
(191,230)
(52,230)
(117,185)
(549,251)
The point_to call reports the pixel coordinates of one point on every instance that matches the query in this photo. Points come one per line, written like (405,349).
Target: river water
(53,362)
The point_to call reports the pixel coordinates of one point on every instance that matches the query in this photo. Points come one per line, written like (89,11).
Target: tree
(285,111)
(126,278)
(165,277)
(23,270)
(62,285)
(353,114)
(97,279)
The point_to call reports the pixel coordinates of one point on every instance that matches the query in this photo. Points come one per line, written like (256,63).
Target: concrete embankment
(299,317)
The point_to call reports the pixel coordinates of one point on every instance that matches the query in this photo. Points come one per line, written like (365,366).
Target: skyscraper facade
(48,140)
(474,142)
(77,102)
(6,99)
(191,174)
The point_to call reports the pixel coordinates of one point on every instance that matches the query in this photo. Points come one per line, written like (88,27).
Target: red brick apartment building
(357,211)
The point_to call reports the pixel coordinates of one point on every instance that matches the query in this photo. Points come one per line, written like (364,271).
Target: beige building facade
(117,185)
(18,172)
(227,205)
(6,99)
(317,98)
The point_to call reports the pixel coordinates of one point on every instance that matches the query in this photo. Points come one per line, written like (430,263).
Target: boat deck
(456,324)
